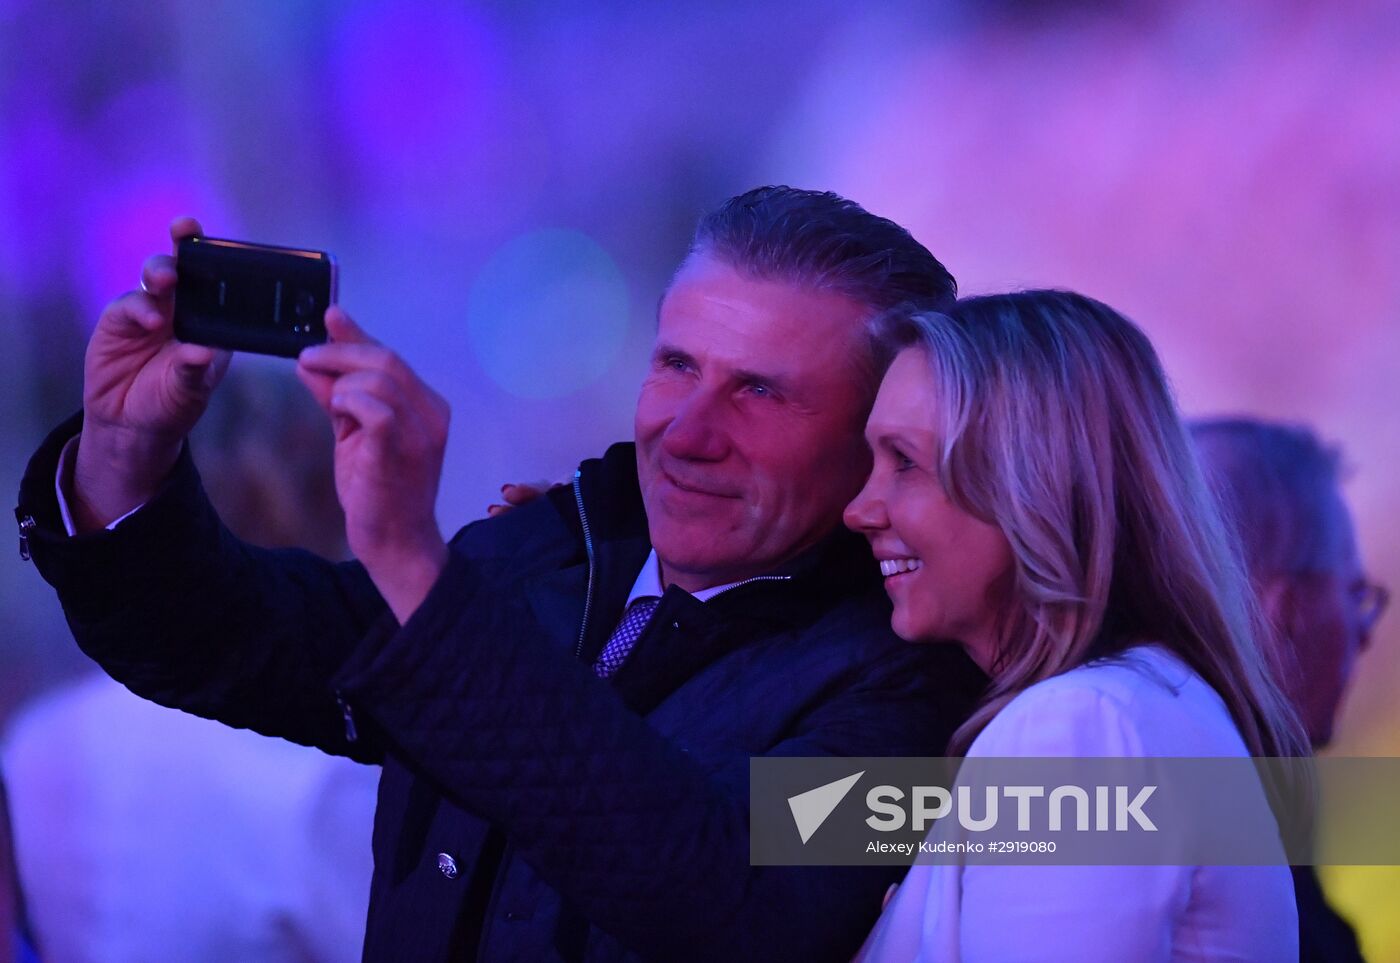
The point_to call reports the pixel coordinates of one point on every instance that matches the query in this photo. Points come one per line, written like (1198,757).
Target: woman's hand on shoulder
(516,494)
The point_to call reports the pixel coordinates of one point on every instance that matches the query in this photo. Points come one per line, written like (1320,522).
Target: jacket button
(447,866)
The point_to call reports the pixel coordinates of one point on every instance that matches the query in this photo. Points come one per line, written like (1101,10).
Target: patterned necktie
(628,631)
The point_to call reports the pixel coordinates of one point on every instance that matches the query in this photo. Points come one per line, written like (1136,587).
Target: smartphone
(252,297)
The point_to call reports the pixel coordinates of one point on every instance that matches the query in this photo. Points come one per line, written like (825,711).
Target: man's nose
(699,430)
(866,512)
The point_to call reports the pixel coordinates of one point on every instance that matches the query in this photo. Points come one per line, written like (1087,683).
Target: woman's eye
(902,462)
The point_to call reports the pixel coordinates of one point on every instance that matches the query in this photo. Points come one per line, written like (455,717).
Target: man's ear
(1364,642)
(1276,600)
(1283,610)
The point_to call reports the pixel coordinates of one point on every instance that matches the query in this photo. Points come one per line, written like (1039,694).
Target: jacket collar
(835,568)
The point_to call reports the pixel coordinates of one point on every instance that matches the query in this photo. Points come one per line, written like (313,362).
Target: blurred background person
(143,833)
(1281,488)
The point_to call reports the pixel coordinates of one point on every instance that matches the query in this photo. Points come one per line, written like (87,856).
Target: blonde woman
(1035,499)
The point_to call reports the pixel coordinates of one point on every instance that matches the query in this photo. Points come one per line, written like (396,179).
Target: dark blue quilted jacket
(528,810)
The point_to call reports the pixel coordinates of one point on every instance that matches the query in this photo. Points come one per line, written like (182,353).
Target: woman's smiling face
(946,571)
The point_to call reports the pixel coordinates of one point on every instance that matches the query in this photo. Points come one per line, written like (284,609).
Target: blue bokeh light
(548,313)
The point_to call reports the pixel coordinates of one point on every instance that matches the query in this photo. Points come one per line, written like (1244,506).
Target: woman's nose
(866,512)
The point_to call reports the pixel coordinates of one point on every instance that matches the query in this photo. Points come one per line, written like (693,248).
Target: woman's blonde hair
(1057,425)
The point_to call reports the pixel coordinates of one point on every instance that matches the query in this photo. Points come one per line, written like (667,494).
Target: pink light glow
(131,220)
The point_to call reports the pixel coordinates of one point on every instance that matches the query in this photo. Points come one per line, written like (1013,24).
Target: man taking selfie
(564,698)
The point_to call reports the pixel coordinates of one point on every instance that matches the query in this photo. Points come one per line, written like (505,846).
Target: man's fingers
(362,408)
(222,359)
(326,385)
(376,384)
(215,372)
(343,329)
(135,312)
(194,355)
(345,357)
(200,367)
(319,384)
(370,367)
(158,276)
(183,227)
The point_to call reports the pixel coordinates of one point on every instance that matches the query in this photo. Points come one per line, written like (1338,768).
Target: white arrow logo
(810,808)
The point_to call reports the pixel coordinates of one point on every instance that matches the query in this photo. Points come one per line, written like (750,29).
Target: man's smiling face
(749,422)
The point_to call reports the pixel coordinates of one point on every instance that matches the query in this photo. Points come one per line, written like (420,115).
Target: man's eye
(760,390)
(674,363)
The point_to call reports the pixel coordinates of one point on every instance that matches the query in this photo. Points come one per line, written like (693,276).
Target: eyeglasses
(1371,601)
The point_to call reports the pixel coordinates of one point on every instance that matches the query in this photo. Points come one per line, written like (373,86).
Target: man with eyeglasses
(1281,487)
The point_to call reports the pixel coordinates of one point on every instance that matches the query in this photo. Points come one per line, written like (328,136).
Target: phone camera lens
(306,303)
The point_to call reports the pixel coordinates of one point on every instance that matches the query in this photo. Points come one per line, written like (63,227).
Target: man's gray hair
(1280,485)
(822,240)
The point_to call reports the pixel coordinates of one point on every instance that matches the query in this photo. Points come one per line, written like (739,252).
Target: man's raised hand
(390,434)
(142,393)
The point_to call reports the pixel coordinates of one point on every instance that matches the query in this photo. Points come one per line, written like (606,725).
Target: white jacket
(1144,703)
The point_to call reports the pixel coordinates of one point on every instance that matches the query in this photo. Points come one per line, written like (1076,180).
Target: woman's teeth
(896,566)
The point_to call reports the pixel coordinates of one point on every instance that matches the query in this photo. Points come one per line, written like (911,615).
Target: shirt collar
(648,584)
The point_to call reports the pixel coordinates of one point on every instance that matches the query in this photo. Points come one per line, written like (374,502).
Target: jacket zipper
(588,545)
(351,734)
(26,525)
(756,578)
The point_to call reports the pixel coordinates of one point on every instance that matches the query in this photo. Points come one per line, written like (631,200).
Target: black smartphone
(252,297)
